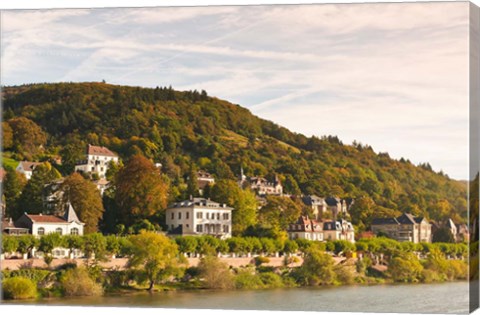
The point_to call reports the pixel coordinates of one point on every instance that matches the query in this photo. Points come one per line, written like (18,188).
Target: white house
(98,159)
(306,228)
(39,224)
(27,168)
(42,224)
(338,230)
(200,216)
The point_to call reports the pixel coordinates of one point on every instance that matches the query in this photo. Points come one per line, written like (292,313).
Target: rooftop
(97,150)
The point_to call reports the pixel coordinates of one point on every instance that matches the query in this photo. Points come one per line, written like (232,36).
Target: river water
(416,298)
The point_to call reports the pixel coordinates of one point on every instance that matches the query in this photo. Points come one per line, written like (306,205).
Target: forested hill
(183,128)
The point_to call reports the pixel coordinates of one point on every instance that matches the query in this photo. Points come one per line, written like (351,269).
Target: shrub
(215,273)
(344,274)
(405,268)
(36,275)
(247,280)
(78,282)
(17,288)
(261,260)
(317,268)
(271,280)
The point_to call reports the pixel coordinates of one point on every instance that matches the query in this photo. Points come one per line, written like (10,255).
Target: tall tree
(243,201)
(192,182)
(85,199)
(13,185)
(140,190)
(279,212)
(31,199)
(28,137)
(156,254)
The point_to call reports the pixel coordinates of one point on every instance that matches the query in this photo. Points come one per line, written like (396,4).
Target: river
(415,298)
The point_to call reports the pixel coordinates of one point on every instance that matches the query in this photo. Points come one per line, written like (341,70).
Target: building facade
(338,230)
(204,179)
(405,228)
(97,161)
(199,216)
(305,228)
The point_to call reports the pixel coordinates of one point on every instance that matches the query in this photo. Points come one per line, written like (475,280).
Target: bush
(271,280)
(247,280)
(215,273)
(317,269)
(35,275)
(344,274)
(261,260)
(78,282)
(17,288)
(405,268)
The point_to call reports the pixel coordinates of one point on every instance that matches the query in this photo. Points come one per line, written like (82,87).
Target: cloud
(386,74)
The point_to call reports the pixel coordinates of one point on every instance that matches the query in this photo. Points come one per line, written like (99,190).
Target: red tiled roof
(45,218)
(96,150)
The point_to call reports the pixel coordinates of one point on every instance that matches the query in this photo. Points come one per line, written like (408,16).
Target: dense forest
(191,130)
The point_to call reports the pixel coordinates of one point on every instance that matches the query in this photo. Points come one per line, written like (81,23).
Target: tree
(28,137)
(243,201)
(362,210)
(405,268)
(156,253)
(443,235)
(192,183)
(279,212)
(95,244)
(12,189)
(291,185)
(31,199)
(215,273)
(85,199)
(140,190)
(317,268)
(7,136)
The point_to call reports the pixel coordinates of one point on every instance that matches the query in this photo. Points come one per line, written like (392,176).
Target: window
(199,215)
(188,226)
(74,231)
(225,216)
(179,215)
(187,215)
(93,168)
(173,227)
(208,215)
(218,216)
(41,231)
(59,231)
(199,228)
(173,215)
(226,229)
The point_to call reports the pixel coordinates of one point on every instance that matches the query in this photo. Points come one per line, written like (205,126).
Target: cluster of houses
(202,216)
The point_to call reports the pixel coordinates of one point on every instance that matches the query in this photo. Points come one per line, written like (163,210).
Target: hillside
(181,128)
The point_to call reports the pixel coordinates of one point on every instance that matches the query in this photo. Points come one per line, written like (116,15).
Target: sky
(391,75)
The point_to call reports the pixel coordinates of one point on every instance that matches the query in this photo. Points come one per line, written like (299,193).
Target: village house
(338,230)
(337,206)
(199,216)
(43,224)
(328,230)
(27,168)
(317,204)
(305,228)
(405,228)
(204,179)
(97,161)
(459,231)
(261,185)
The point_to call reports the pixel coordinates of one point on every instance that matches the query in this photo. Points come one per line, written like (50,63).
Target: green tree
(13,185)
(192,183)
(85,199)
(215,273)
(405,268)
(140,190)
(279,212)
(317,268)
(155,253)
(31,199)
(95,244)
